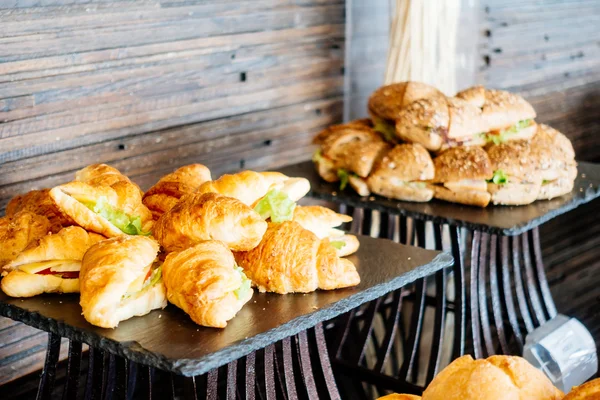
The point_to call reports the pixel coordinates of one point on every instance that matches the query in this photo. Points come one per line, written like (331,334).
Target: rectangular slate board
(169,340)
(501,220)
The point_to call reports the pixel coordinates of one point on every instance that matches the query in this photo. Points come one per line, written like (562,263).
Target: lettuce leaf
(154,278)
(317,156)
(344,176)
(277,206)
(126,223)
(499,178)
(338,244)
(386,129)
(244,288)
(508,132)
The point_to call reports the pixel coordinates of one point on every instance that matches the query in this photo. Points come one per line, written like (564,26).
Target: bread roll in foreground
(121,278)
(396,396)
(18,231)
(205,282)
(210,216)
(292,259)
(49,265)
(587,391)
(495,378)
(161,197)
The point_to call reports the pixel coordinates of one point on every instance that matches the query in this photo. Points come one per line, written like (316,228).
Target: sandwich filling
(501,136)
(126,223)
(151,277)
(65,269)
(276,205)
(412,184)
(499,178)
(467,184)
(386,128)
(242,291)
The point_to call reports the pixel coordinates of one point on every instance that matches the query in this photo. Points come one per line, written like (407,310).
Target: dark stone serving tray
(501,220)
(169,340)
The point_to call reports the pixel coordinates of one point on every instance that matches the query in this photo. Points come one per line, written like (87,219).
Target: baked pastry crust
(476,198)
(170,188)
(39,202)
(202,280)
(292,259)
(587,391)
(17,231)
(321,221)
(400,396)
(101,175)
(209,216)
(387,101)
(107,271)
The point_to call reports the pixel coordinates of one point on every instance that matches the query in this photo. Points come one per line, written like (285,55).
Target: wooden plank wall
(149,85)
(550,51)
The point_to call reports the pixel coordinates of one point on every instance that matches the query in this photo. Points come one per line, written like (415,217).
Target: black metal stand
(496,293)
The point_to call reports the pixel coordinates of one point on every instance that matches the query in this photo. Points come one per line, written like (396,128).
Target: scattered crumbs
(60,302)
(267,301)
(315,307)
(583,175)
(409,258)
(159,315)
(372,198)
(197,330)
(254,301)
(264,309)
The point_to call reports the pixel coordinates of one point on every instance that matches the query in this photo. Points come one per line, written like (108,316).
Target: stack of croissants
(198,243)
(481,146)
(497,378)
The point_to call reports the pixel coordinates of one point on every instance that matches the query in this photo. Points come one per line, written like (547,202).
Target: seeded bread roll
(359,124)
(387,101)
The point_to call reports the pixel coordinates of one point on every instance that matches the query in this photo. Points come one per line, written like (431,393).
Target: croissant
(50,264)
(322,222)
(39,202)
(101,175)
(108,210)
(17,231)
(120,278)
(292,259)
(169,189)
(209,216)
(205,282)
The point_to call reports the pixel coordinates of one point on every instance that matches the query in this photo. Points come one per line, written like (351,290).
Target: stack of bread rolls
(481,146)
(198,243)
(494,378)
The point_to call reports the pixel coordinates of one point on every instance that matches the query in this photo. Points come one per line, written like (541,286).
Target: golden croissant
(205,282)
(108,210)
(39,202)
(121,278)
(161,197)
(101,175)
(210,216)
(50,264)
(323,222)
(292,259)
(18,231)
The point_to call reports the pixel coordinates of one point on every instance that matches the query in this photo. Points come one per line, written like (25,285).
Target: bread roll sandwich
(17,231)
(121,278)
(505,116)
(161,197)
(557,165)
(401,173)
(516,179)
(39,202)
(107,210)
(461,175)
(292,259)
(205,282)
(101,175)
(49,265)
(210,216)
(588,391)
(386,103)
(495,378)
(323,222)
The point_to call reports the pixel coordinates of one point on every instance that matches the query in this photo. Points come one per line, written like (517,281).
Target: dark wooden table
(498,293)
(274,347)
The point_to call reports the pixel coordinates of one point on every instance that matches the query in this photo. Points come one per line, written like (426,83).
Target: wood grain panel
(150,85)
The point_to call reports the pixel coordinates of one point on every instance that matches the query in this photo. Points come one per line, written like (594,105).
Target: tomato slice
(64,275)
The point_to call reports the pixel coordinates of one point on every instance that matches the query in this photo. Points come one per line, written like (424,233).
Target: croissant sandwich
(587,391)
(17,231)
(402,172)
(461,175)
(39,202)
(205,282)
(49,265)
(161,197)
(121,278)
(516,179)
(209,216)
(292,259)
(322,222)
(101,175)
(108,210)
(505,116)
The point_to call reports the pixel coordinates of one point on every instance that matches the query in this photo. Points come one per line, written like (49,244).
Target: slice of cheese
(67,266)
(137,285)
(34,268)
(467,184)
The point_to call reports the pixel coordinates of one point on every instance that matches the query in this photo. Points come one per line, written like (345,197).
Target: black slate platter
(500,220)
(169,340)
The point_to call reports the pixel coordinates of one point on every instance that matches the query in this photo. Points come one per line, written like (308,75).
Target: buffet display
(200,244)
(481,146)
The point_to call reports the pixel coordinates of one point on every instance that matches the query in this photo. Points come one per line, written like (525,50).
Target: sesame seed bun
(461,163)
(516,159)
(387,101)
